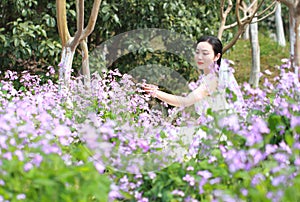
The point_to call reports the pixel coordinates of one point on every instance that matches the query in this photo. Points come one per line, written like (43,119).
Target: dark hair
(215,43)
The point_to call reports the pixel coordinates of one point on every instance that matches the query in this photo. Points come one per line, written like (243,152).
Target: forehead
(204,46)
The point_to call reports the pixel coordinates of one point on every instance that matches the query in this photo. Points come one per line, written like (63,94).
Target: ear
(217,57)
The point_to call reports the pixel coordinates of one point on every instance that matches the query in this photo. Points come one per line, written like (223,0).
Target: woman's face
(205,56)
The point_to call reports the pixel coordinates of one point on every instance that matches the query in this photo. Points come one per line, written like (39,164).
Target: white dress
(216,102)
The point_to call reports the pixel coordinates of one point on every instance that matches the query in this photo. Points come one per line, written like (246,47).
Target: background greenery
(29,38)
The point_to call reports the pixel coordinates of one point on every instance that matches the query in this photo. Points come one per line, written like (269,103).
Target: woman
(208,56)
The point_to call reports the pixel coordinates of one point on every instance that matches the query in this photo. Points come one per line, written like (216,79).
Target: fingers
(150,89)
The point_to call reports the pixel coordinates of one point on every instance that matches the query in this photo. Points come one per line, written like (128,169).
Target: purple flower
(152,175)
(297,162)
(7,156)
(20,155)
(178,192)
(295,121)
(28,166)
(144,145)
(270,149)
(205,174)
(114,192)
(278,180)
(231,122)
(256,155)
(51,70)
(193,86)
(190,179)
(257,179)
(143,200)
(37,160)
(21,196)
(260,125)
(99,167)
(281,158)
(215,181)
(244,192)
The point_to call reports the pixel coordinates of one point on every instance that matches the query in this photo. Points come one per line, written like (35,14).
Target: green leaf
(72,12)
(23,44)
(116,18)
(16,42)
(44,182)
(105,9)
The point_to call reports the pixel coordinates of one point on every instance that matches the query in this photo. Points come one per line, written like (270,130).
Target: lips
(200,63)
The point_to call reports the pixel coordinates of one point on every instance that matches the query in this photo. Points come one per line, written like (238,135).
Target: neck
(210,69)
(207,71)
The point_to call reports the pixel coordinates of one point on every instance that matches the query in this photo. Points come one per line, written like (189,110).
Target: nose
(199,56)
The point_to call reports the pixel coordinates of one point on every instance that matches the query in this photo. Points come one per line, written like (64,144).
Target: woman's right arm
(179,101)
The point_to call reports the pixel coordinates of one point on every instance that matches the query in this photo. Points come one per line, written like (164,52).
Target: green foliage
(29,36)
(31,42)
(54,180)
(189,18)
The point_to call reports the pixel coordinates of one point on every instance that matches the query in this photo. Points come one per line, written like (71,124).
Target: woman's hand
(150,89)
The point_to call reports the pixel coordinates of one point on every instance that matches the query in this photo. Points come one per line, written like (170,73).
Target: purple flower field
(110,143)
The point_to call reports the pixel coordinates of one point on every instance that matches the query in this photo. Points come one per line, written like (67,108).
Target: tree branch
(92,20)
(271,13)
(224,17)
(268,8)
(234,39)
(251,5)
(61,17)
(237,12)
(235,23)
(80,23)
(288,3)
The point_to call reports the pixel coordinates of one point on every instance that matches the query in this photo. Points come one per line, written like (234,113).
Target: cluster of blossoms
(152,157)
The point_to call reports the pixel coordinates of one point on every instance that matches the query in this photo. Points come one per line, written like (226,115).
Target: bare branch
(235,23)
(92,21)
(80,14)
(228,8)
(237,13)
(61,16)
(268,8)
(80,23)
(222,8)
(271,13)
(288,3)
(224,16)
(234,39)
(251,5)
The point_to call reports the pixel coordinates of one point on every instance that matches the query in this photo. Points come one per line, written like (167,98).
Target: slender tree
(279,26)
(247,15)
(294,12)
(70,43)
(244,15)
(255,51)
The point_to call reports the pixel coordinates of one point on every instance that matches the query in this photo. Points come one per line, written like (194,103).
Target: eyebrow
(198,49)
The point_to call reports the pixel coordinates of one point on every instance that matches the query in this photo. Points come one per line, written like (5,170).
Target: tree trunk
(255,70)
(66,65)
(70,44)
(85,64)
(279,26)
(292,34)
(297,44)
(246,33)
